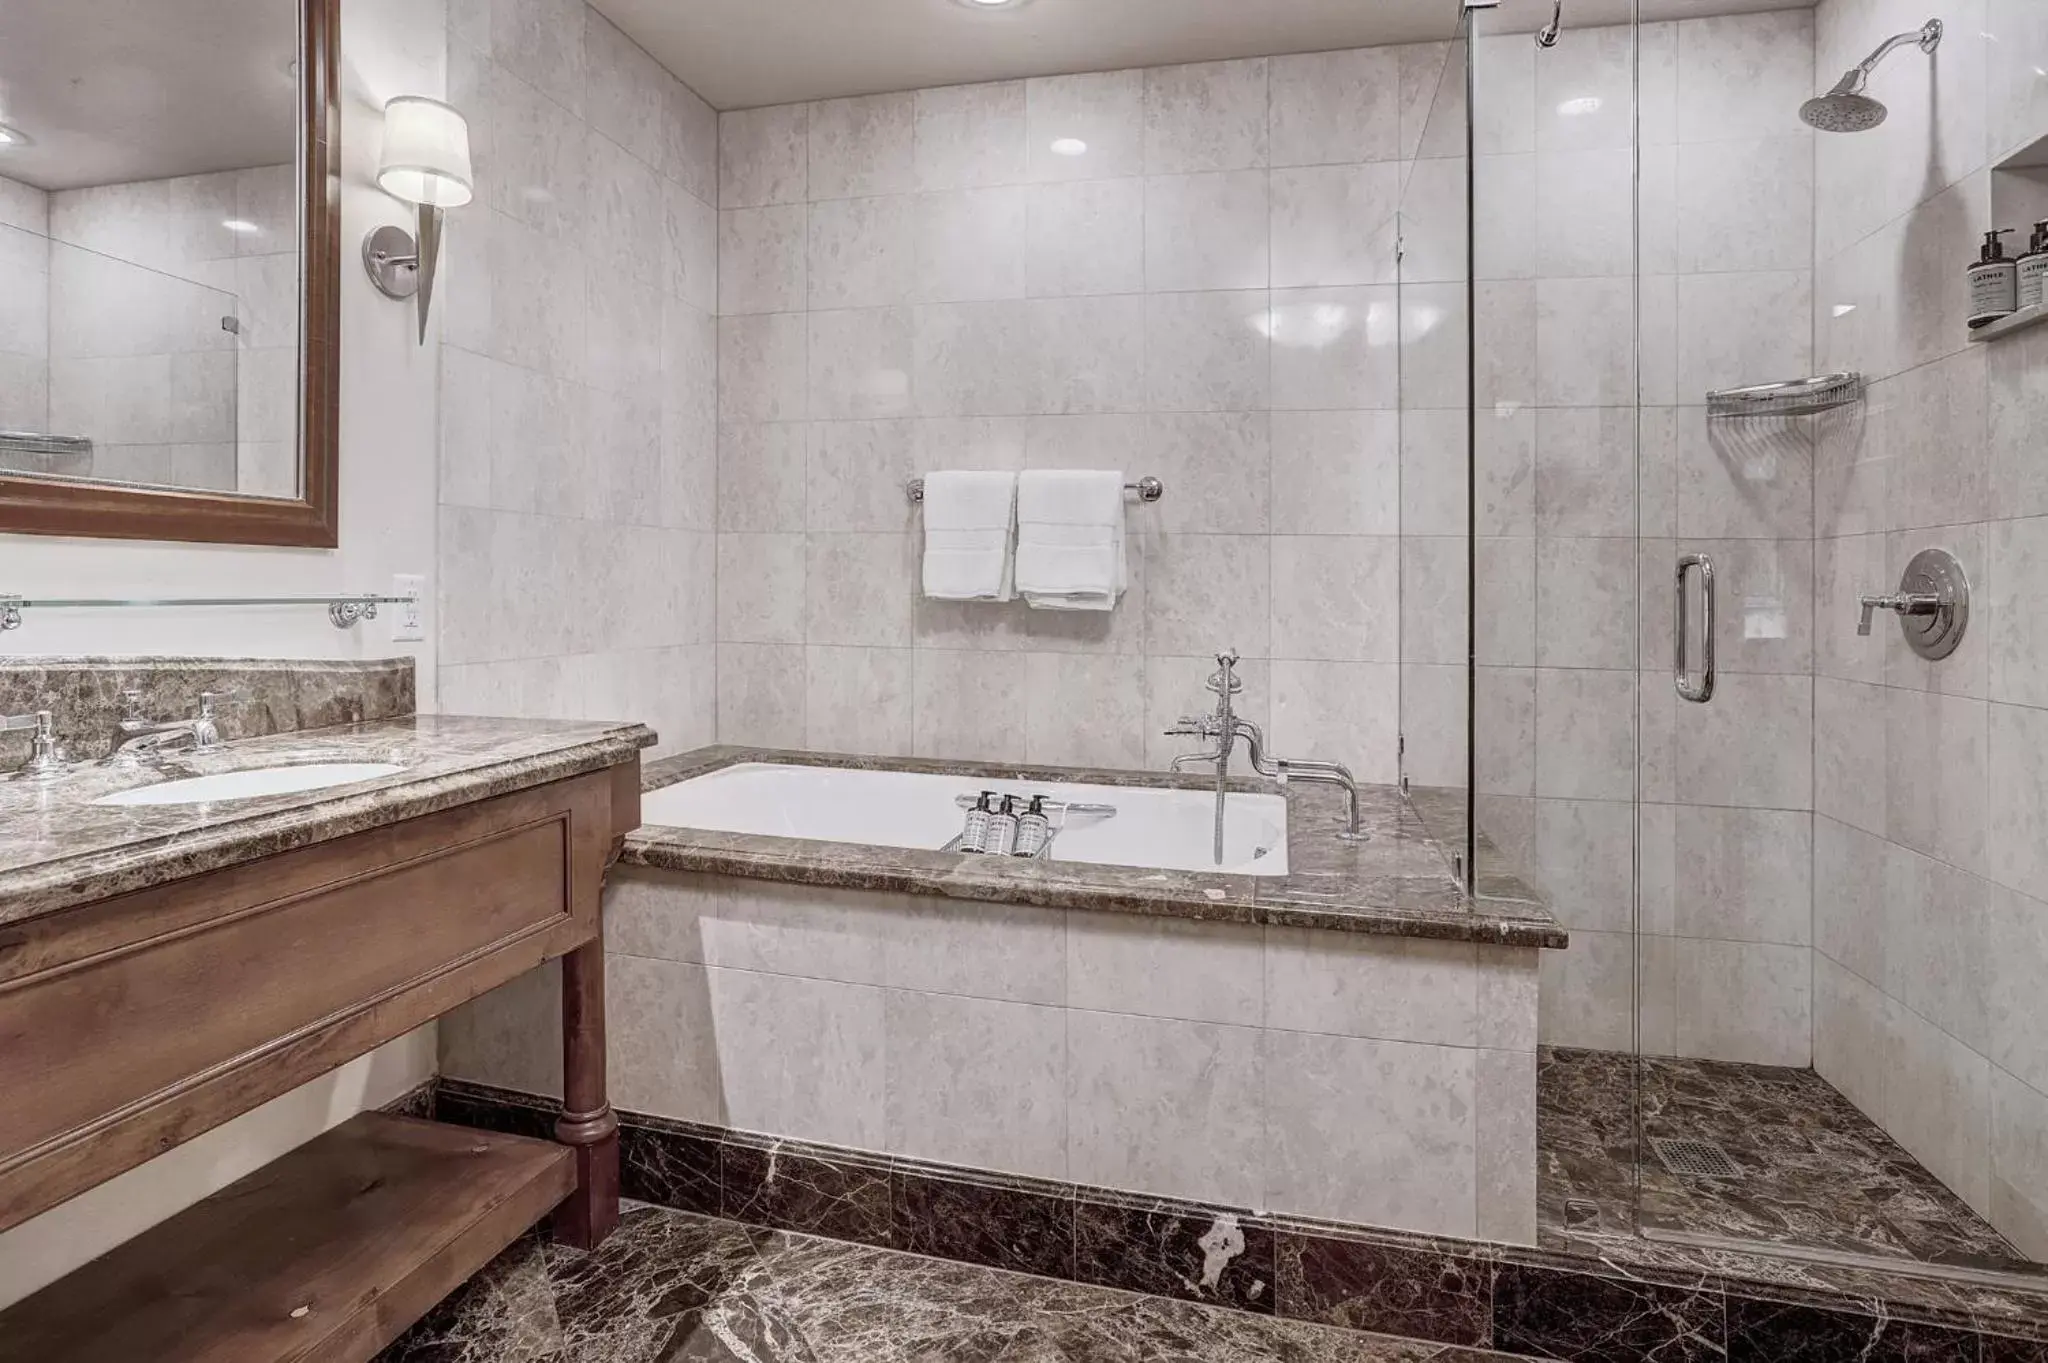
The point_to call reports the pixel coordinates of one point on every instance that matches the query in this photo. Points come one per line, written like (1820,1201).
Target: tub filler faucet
(1222,728)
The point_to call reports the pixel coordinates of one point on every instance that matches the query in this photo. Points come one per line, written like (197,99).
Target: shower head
(1846,109)
(1842,110)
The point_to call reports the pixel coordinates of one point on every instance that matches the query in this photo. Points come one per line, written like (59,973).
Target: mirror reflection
(150,243)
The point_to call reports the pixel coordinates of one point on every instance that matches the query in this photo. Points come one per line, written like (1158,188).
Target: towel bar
(1147,489)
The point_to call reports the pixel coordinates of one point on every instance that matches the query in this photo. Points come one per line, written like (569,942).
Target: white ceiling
(110,91)
(743,53)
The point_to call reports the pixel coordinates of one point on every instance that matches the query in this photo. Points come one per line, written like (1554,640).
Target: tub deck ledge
(1398,883)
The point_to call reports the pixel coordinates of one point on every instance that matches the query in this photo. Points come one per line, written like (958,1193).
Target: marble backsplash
(254,697)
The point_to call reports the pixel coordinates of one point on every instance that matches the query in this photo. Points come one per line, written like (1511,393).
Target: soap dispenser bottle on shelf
(2033,267)
(1994,282)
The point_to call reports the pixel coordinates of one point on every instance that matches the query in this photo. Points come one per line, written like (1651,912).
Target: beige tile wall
(111,327)
(917,280)
(24,307)
(578,380)
(1931,788)
(1366,1079)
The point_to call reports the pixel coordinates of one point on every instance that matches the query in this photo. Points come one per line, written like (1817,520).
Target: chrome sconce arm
(402,263)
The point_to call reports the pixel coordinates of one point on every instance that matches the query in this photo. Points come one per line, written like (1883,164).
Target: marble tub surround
(1607,1301)
(253,697)
(670,1285)
(1396,883)
(58,849)
(1356,1076)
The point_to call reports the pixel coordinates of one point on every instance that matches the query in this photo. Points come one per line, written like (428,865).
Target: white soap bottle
(2033,268)
(1994,282)
(1001,839)
(976,831)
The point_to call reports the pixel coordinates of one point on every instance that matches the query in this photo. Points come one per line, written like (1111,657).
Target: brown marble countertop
(58,849)
(1398,883)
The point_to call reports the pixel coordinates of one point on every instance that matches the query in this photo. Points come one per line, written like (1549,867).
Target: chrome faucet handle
(205,732)
(1225,681)
(1903,603)
(1194,726)
(45,759)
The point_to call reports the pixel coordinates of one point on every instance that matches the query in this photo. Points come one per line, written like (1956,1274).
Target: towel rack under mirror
(1145,490)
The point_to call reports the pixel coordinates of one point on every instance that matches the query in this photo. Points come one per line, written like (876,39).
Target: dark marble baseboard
(1526,1301)
(414,1102)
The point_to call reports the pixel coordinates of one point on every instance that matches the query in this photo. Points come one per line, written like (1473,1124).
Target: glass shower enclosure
(1633,680)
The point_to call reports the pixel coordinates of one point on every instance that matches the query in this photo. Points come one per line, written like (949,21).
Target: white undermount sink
(250,785)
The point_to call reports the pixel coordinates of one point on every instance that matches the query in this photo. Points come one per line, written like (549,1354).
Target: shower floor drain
(1699,1159)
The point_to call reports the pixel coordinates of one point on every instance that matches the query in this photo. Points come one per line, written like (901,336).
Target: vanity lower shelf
(326,1254)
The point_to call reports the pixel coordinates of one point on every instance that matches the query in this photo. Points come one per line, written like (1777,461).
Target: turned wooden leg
(587,1123)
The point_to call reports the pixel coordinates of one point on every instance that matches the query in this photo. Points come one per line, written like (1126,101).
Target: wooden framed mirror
(170,269)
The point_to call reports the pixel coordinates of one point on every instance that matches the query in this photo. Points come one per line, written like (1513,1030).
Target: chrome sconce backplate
(392,257)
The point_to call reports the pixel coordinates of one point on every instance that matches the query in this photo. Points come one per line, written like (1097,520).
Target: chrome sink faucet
(138,735)
(1223,728)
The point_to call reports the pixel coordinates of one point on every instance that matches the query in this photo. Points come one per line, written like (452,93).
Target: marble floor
(670,1287)
(1818,1176)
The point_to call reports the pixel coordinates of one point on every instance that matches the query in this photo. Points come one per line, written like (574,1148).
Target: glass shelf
(343,611)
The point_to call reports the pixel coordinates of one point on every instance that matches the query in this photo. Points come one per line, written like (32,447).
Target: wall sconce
(426,164)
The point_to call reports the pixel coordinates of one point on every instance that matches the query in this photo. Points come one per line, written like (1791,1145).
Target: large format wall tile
(1162,1106)
(1373,1132)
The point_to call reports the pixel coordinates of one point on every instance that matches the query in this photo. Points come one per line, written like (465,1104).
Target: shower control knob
(1932,603)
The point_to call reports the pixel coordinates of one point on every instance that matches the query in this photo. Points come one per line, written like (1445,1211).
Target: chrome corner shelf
(1145,490)
(342,611)
(1799,397)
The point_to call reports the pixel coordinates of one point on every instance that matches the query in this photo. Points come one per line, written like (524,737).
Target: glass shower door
(1435,389)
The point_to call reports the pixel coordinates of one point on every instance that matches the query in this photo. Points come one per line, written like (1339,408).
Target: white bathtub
(1154,828)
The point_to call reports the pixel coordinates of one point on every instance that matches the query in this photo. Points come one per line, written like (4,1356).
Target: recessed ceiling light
(1069,146)
(238,225)
(1585,104)
(991,4)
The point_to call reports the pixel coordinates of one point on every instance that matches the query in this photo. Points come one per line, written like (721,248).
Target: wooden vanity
(132,1023)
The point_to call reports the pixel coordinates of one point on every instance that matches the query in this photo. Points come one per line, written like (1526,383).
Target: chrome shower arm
(1927,37)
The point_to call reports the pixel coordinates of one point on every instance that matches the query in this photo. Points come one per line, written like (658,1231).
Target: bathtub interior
(1154,828)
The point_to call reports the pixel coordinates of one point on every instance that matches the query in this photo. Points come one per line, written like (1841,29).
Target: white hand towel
(969,518)
(1070,539)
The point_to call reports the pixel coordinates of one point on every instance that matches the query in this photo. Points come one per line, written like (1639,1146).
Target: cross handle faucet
(45,758)
(138,734)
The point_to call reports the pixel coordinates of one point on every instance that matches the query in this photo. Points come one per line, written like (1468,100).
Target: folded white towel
(1070,539)
(969,518)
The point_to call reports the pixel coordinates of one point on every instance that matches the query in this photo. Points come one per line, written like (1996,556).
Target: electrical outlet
(409,617)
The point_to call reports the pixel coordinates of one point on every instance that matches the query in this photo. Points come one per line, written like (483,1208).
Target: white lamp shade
(426,153)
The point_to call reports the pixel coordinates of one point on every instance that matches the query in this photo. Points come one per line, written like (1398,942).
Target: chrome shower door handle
(1702,691)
